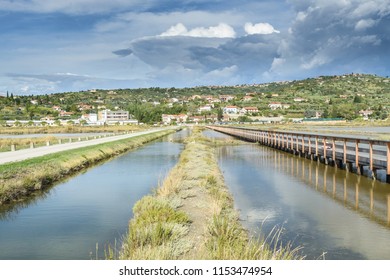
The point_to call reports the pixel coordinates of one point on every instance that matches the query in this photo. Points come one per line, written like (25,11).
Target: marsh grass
(228,240)
(24,143)
(23,178)
(194,193)
(155,230)
(71,129)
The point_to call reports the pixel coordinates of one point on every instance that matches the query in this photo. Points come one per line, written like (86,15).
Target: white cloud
(364,24)
(176,30)
(259,28)
(316,61)
(222,30)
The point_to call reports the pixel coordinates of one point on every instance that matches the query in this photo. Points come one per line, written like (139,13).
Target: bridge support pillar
(366,171)
(339,163)
(331,162)
(380,175)
(356,169)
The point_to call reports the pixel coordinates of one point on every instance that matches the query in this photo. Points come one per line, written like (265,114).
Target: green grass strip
(20,179)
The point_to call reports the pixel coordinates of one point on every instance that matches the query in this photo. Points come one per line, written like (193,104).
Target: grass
(21,179)
(24,143)
(191,216)
(72,129)
(156,229)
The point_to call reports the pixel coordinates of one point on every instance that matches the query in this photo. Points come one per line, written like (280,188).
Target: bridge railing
(362,155)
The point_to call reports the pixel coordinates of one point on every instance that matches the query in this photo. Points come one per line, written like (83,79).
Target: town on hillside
(347,97)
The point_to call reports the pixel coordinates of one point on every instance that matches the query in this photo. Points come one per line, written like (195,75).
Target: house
(65,114)
(205,108)
(57,108)
(278,105)
(275,105)
(299,99)
(249,110)
(248,98)
(106,116)
(365,113)
(230,110)
(168,119)
(226,98)
(91,118)
(197,119)
(84,107)
(226,118)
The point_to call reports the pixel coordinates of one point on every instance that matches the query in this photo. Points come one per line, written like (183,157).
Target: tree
(357,99)
(220,114)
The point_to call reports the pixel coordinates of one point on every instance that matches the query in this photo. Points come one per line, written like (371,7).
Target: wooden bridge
(364,156)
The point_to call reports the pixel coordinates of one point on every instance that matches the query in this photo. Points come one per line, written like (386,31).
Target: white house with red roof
(231,110)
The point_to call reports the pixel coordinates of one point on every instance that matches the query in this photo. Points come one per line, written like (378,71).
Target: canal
(330,213)
(78,217)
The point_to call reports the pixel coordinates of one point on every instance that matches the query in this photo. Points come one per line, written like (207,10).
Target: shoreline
(21,179)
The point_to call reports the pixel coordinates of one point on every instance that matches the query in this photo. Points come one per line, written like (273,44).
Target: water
(92,208)
(331,213)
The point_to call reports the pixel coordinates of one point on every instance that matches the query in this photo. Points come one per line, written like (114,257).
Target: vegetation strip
(20,179)
(191,216)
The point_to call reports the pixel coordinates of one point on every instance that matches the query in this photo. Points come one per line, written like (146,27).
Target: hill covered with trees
(344,96)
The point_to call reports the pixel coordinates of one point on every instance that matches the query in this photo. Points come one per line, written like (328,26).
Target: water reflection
(67,221)
(366,196)
(325,209)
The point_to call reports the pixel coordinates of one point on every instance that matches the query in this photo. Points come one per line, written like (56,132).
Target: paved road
(24,154)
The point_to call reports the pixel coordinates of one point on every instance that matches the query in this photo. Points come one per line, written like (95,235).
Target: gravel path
(24,154)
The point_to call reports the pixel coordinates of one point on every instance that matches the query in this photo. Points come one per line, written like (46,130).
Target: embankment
(21,179)
(192,216)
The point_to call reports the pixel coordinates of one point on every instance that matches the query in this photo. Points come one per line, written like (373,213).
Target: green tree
(357,99)
(220,114)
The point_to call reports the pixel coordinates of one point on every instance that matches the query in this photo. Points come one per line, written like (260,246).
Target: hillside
(326,96)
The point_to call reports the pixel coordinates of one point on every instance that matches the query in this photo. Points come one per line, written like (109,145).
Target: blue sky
(49,46)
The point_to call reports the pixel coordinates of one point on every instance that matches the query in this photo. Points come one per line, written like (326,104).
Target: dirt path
(24,154)
(197,202)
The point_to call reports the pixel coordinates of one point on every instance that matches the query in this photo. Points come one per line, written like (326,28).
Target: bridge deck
(361,153)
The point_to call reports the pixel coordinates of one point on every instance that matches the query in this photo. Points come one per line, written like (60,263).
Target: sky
(49,46)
